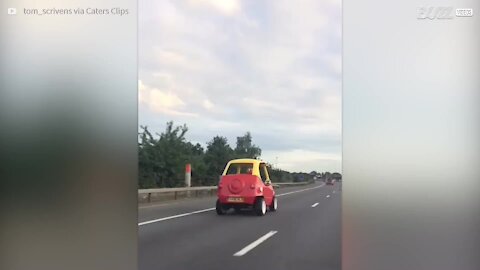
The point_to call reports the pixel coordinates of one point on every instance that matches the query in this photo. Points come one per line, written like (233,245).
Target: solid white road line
(315,204)
(255,243)
(213,208)
(176,216)
(328,196)
(296,191)
(159,204)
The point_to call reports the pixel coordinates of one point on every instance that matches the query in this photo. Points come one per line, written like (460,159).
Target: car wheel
(220,208)
(273,207)
(260,207)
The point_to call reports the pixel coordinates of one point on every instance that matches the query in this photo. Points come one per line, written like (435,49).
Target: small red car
(245,183)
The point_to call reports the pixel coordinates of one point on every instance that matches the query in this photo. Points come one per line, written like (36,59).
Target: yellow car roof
(256,164)
(245,160)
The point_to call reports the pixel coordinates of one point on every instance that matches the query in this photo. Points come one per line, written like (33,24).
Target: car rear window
(240,168)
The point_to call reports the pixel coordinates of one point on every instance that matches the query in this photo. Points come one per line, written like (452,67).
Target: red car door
(268,191)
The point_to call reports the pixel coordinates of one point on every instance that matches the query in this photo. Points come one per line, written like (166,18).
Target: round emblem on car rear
(236,186)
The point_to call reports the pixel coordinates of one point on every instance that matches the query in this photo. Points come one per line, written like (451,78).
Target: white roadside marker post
(188,175)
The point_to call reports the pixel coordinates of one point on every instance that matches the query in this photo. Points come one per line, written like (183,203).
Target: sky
(225,67)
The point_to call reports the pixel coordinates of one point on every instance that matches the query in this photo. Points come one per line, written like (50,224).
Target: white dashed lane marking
(211,209)
(255,243)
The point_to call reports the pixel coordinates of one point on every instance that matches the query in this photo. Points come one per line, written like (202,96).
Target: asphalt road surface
(303,234)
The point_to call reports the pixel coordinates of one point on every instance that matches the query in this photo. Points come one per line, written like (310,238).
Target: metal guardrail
(292,184)
(210,189)
(175,191)
(163,190)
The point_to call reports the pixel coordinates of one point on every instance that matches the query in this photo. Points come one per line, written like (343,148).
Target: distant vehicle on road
(245,183)
(330,181)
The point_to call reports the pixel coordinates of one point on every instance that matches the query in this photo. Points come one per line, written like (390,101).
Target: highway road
(303,234)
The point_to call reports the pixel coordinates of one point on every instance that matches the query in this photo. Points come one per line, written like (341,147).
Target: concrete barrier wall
(146,196)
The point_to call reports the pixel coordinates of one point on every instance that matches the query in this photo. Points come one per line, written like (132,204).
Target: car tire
(220,208)
(260,207)
(274,206)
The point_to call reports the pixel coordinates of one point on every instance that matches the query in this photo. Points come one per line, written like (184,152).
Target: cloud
(303,160)
(207,104)
(162,101)
(168,57)
(269,67)
(226,7)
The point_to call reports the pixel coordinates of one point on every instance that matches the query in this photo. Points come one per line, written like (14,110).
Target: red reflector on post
(188,168)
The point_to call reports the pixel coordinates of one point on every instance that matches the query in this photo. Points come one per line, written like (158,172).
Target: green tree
(278,175)
(199,169)
(337,176)
(162,161)
(217,155)
(146,161)
(245,148)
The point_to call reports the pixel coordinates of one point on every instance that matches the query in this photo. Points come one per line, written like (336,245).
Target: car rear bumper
(237,200)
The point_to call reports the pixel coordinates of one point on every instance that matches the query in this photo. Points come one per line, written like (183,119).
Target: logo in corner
(442,13)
